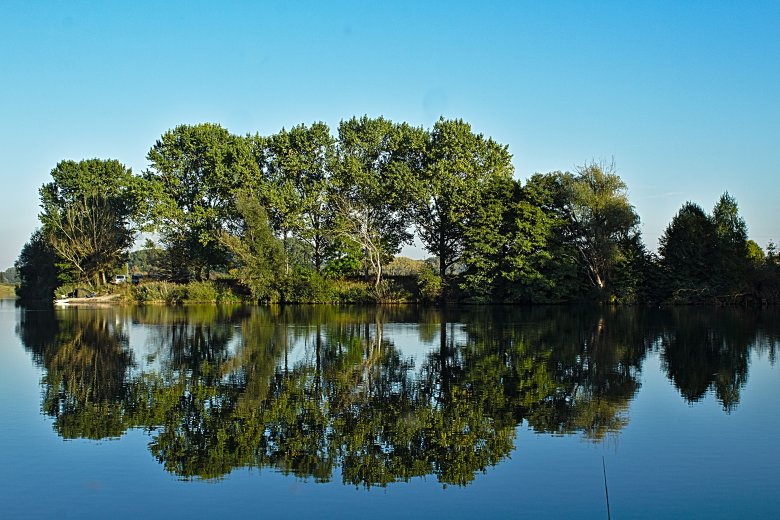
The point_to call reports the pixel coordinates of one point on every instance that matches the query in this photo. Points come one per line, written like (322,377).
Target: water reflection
(375,394)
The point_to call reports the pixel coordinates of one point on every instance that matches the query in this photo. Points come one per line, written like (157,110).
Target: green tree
(259,255)
(604,223)
(193,176)
(518,245)
(730,260)
(368,196)
(686,249)
(706,256)
(297,167)
(87,212)
(543,257)
(487,237)
(755,253)
(456,173)
(36,269)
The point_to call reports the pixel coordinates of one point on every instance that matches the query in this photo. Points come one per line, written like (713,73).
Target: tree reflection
(311,390)
(87,359)
(709,351)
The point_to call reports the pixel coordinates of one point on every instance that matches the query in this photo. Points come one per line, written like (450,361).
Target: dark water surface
(389,412)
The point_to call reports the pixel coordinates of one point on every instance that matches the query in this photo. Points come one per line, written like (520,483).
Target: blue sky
(684,95)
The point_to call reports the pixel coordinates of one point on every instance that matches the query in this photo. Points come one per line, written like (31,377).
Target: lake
(389,412)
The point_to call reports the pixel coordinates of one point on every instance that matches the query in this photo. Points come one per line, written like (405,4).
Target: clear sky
(685,95)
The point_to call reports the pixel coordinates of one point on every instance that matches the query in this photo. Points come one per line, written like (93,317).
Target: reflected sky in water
(387,411)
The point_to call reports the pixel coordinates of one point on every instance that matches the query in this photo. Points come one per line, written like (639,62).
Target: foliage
(36,269)
(449,183)
(543,263)
(296,166)
(604,223)
(429,284)
(191,292)
(9,276)
(685,251)
(86,216)
(404,266)
(193,176)
(259,256)
(161,292)
(707,257)
(303,285)
(202,292)
(268,212)
(368,195)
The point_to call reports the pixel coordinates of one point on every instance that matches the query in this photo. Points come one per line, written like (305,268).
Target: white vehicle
(119,279)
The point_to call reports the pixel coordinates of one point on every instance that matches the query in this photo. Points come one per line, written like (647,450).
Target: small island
(306,216)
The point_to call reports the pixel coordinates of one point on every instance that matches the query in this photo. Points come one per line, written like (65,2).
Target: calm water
(398,412)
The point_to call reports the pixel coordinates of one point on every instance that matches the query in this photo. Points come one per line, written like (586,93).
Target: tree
(449,183)
(258,253)
(730,261)
(542,257)
(194,174)
(604,223)
(9,276)
(487,237)
(368,194)
(298,164)
(706,255)
(36,269)
(755,253)
(685,250)
(86,215)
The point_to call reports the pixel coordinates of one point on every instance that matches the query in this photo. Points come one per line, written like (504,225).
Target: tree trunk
(378,278)
(286,254)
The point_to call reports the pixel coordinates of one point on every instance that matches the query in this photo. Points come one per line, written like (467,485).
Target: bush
(160,292)
(304,285)
(429,284)
(390,291)
(201,292)
(350,291)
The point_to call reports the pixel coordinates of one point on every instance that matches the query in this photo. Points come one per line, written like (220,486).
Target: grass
(7,291)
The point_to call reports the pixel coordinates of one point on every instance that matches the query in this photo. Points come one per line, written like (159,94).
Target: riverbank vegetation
(7,291)
(309,215)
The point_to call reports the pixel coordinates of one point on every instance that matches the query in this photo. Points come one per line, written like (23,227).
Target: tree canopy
(341,207)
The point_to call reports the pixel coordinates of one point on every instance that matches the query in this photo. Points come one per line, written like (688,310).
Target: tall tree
(604,223)
(86,215)
(458,169)
(730,261)
(686,250)
(258,253)
(297,167)
(36,269)
(194,173)
(368,196)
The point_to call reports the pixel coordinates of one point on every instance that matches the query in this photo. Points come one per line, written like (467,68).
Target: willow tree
(604,223)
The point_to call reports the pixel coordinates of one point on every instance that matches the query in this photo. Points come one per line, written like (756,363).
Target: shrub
(304,285)
(429,284)
(201,292)
(166,292)
(350,291)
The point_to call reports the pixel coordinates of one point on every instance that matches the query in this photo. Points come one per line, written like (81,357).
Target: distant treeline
(302,214)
